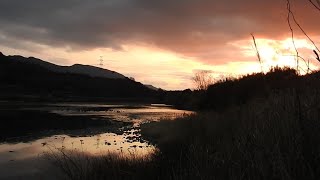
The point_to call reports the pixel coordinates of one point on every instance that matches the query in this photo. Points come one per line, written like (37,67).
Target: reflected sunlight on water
(13,155)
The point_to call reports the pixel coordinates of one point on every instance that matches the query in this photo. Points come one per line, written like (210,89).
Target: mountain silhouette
(152,87)
(33,79)
(74,69)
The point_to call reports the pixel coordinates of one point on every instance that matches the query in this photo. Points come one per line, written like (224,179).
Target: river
(22,157)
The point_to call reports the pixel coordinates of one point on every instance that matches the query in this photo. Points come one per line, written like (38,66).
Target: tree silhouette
(202,80)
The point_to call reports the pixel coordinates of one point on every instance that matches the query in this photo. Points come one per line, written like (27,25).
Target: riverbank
(237,135)
(115,129)
(272,138)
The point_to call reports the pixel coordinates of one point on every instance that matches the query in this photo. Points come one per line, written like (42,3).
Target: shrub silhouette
(232,91)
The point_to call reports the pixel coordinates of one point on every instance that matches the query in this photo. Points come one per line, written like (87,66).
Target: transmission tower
(101,61)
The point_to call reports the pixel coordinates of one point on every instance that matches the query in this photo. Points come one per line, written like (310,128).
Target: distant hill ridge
(91,71)
(152,87)
(33,79)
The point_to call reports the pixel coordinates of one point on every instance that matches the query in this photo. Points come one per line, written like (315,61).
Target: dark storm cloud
(197,28)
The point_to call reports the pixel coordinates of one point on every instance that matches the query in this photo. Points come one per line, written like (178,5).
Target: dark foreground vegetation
(231,91)
(256,127)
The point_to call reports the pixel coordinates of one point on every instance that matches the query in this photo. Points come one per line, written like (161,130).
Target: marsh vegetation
(267,136)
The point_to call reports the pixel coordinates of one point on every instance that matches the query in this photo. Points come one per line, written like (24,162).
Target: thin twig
(300,57)
(317,7)
(292,33)
(297,23)
(257,51)
(308,66)
(315,52)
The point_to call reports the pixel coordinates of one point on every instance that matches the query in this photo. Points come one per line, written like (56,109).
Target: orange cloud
(160,37)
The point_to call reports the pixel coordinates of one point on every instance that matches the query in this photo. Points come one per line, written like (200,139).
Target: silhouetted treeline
(238,91)
(231,92)
(20,80)
(23,81)
(186,99)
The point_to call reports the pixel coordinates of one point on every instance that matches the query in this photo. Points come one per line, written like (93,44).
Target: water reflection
(127,113)
(13,155)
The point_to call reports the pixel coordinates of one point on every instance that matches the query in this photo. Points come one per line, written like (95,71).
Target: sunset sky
(161,42)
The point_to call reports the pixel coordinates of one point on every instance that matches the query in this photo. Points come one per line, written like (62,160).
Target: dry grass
(77,165)
(271,138)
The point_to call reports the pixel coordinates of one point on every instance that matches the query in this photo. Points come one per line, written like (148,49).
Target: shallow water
(25,159)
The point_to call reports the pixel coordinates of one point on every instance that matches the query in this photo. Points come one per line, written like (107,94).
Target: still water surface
(25,159)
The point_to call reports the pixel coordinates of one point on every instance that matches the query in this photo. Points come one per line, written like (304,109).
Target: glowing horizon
(171,71)
(161,43)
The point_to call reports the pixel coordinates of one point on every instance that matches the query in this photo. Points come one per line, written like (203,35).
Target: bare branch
(290,13)
(316,6)
(292,33)
(202,80)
